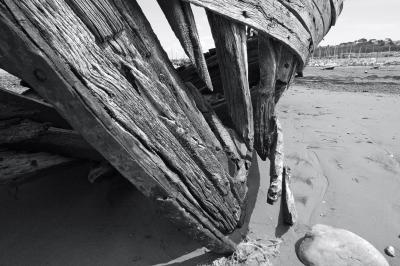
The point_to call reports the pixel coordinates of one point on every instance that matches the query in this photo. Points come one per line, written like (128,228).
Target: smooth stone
(328,246)
(390,251)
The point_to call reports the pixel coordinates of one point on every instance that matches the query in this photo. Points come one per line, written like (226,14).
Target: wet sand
(344,152)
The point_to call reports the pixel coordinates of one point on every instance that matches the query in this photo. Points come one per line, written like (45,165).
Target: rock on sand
(325,245)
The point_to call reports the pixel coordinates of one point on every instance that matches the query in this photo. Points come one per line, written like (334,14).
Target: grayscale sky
(371,19)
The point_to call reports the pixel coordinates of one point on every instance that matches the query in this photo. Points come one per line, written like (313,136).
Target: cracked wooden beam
(181,19)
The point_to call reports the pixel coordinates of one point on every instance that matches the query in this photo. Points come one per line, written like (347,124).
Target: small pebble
(390,251)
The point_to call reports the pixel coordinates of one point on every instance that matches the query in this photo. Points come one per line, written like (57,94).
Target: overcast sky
(371,19)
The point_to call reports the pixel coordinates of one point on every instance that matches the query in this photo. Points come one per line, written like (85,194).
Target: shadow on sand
(65,220)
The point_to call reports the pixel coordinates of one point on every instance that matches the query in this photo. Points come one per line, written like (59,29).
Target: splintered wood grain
(268,16)
(181,19)
(18,167)
(124,99)
(231,45)
(337,7)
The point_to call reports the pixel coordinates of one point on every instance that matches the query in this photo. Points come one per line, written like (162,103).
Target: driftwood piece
(18,167)
(288,202)
(180,16)
(114,96)
(231,45)
(13,105)
(276,158)
(268,16)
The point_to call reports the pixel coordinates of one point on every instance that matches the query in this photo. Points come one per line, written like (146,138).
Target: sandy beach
(343,146)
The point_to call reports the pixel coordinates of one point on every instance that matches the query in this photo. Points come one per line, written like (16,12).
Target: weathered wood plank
(13,105)
(324,8)
(308,14)
(268,16)
(263,96)
(180,16)
(276,158)
(20,167)
(33,136)
(231,44)
(113,95)
(152,52)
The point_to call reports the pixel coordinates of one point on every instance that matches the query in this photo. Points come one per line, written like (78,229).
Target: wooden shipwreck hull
(112,95)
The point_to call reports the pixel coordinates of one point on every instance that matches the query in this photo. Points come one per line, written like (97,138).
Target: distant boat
(328,68)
